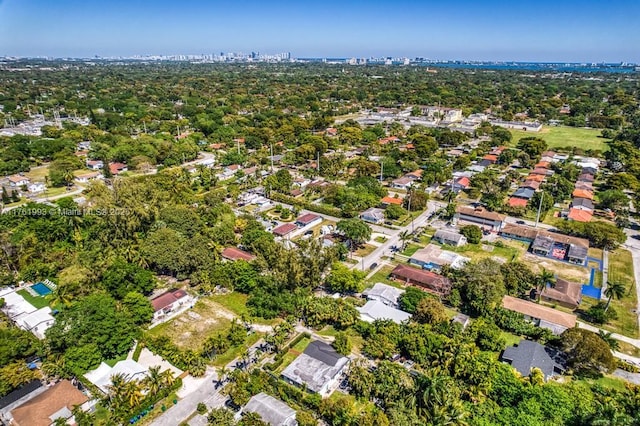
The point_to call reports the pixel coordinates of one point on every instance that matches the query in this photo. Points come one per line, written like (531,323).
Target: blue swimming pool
(41,289)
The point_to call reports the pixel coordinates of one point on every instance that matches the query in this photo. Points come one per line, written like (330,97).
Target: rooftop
(49,405)
(580,215)
(527,355)
(391,200)
(535,310)
(233,253)
(564,291)
(480,212)
(284,229)
(307,218)
(318,365)
(384,292)
(271,410)
(101,376)
(374,310)
(166,299)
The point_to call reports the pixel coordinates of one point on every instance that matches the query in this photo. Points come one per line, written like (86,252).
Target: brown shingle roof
(233,253)
(538,311)
(564,291)
(421,277)
(36,411)
(480,212)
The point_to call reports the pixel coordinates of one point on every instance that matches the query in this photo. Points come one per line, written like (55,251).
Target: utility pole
(238,145)
(381,170)
(539,208)
(318,163)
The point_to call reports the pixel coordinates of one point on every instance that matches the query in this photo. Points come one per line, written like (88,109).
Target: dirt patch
(568,272)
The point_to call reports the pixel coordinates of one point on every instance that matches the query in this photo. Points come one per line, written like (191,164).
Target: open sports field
(564,136)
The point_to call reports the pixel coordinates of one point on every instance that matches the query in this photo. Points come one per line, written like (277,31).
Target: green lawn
(302,344)
(237,303)
(37,301)
(511,338)
(411,249)
(510,251)
(380,239)
(564,136)
(382,276)
(364,251)
(621,270)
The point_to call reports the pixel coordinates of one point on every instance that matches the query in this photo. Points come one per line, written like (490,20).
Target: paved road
(394,237)
(629,340)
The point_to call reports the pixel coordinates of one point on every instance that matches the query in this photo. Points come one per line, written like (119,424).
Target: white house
(373,215)
(376,310)
(169,302)
(16,181)
(87,177)
(384,293)
(95,164)
(37,187)
(130,369)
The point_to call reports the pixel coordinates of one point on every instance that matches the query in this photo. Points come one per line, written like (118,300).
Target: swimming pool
(41,289)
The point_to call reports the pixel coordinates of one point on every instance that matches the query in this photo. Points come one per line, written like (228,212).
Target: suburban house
(414,175)
(308,219)
(449,237)
(461,184)
(233,254)
(386,201)
(517,202)
(586,177)
(284,229)
(427,280)
(535,177)
(433,258)
(271,410)
(319,368)
(564,293)
(168,302)
(384,293)
(579,215)
(582,204)
(584,185)
(55,403)
(542,316)
(36,187)
(373,215)
(16,181)
(128,368)
(582,193)
(479,216)
(376,310)
(86,177)
(531,184)
(117,168)
(524,193)
(403,182)
(528,354)
(37,322)
(95,164)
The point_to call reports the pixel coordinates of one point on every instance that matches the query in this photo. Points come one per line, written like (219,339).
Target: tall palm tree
(614,290)
(167,378)
(153,381)
(132,393)
(545,277)
(404,237)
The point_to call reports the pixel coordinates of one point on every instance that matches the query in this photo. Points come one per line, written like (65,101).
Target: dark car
(373,266)
(520,222)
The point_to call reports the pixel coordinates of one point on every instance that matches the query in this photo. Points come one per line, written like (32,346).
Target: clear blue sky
(542,30)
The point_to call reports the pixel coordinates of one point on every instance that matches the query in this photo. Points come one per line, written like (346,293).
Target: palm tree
(545,277)
(61,296)
(404,237)
(153,381)
(167,378)
(614,290)
(608,337)
(132,393)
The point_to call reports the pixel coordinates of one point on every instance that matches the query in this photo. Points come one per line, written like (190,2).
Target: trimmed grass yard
(565,136)
(411,249)
(293,354)
(380,239)
(237,303)
(382,276)
(37,301)
(365,250)
(620,270)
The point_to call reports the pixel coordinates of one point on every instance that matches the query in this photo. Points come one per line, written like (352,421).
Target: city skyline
(587,31)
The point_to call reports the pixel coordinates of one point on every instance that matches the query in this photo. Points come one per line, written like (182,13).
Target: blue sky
(543,30)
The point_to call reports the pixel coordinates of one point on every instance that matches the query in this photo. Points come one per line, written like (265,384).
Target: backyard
(564,136)
(293,353)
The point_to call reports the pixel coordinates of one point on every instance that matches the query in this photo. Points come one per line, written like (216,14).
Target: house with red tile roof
(490,158)
(117,168)
(517,202)
(308,219)
(391,200)
(427,280)
(284,230)
(169,301)
(580,215)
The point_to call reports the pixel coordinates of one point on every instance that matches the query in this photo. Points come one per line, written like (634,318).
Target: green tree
(394,211)
(472,232)
(345,280)
(430,311)
(221,417)
(355,230)
(410,299)
(614,290)
(138,307)
(586,352)
(342,343)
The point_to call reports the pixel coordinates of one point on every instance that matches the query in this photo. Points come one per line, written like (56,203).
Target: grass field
(37,302)
(237,303)
(411,249)
(511,251)
(293,354)
(382,276)
(563,136)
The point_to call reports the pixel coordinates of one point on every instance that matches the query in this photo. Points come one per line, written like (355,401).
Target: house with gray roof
(450,238)
(373,215)
(524,192)
(376,310)
(527,355)
(319,369)
(271,410)
(384,293)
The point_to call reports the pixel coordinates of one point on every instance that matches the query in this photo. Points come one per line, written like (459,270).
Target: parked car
(373,266)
